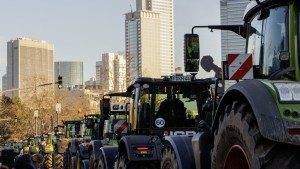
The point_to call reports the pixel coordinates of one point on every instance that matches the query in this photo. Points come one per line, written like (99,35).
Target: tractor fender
(73,145)
(83,151)
(128,143)
(95,146)
(109,154)
(182,146)
(265,110)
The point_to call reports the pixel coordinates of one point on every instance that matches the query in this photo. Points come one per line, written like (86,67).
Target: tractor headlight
(288,91)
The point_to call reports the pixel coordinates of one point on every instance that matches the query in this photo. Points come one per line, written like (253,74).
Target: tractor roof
(254,6)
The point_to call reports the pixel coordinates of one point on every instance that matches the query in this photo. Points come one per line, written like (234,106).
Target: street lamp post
(58,110)
(35,115)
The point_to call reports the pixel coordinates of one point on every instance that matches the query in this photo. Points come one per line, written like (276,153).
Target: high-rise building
(120,73)
(71,72)
(113,72)
(29,63)
(4,85)
(98,72)
(232,12)
(149,34)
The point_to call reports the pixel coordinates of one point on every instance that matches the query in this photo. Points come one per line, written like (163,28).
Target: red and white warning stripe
(44,143)
(240,66)
(120,126)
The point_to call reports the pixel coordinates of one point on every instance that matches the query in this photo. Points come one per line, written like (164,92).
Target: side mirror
(104,104)
(191,52)
(263,14)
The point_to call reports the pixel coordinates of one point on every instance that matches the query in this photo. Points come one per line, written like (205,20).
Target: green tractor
(60,143)
(78,148)
(27,145)
(47,150)
(73,137)
(35,145)
(255,123)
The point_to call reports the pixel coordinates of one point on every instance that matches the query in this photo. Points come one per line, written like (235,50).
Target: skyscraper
(4,86)
(71,72)
(98,72)
(120,73)
(232,12)
(113,72)
(29,63)
(150,39)
(166,15)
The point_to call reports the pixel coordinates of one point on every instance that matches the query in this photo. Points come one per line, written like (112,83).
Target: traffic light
(59,82)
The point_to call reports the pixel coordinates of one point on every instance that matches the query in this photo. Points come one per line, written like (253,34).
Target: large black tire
(74,162)
(70,162)
(58,161)
(101,163)
(169,159)
(78,160)
(122,163)
(66,159)
(238,132)
(48,161)
(93,164)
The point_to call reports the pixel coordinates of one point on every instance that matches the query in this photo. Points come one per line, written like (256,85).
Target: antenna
(258,2)
(131,8)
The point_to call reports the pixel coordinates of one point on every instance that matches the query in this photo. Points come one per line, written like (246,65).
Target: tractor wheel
(58,161)
(66,160)
(239,144)
(93,164)
(70,164)
(48,161)
(74,162)
(101,163)
(169,159)
(121,162)
(78,160)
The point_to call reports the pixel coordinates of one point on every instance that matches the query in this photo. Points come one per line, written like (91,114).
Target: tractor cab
(90,126)
(73,128)
(114,113)
(168,106)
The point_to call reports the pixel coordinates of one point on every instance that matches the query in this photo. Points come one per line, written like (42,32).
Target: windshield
(174,106)
(74,130)
(267,38)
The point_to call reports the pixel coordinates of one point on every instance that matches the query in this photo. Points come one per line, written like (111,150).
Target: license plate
(182,78)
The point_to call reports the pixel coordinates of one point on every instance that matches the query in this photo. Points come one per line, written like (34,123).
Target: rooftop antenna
(131,8)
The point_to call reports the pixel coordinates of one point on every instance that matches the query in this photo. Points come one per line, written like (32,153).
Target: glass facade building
(71,72)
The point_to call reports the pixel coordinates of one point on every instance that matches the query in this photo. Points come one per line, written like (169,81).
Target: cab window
(174,108)
(268,36)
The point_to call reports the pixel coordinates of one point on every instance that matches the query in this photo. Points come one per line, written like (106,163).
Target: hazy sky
(82,30)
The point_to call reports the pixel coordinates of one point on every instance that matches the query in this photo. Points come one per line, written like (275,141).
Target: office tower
(113,72)
(232,12)
(4,85)
(98,72)
(71,72)
(120,73)
(29,63)
(149,35)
